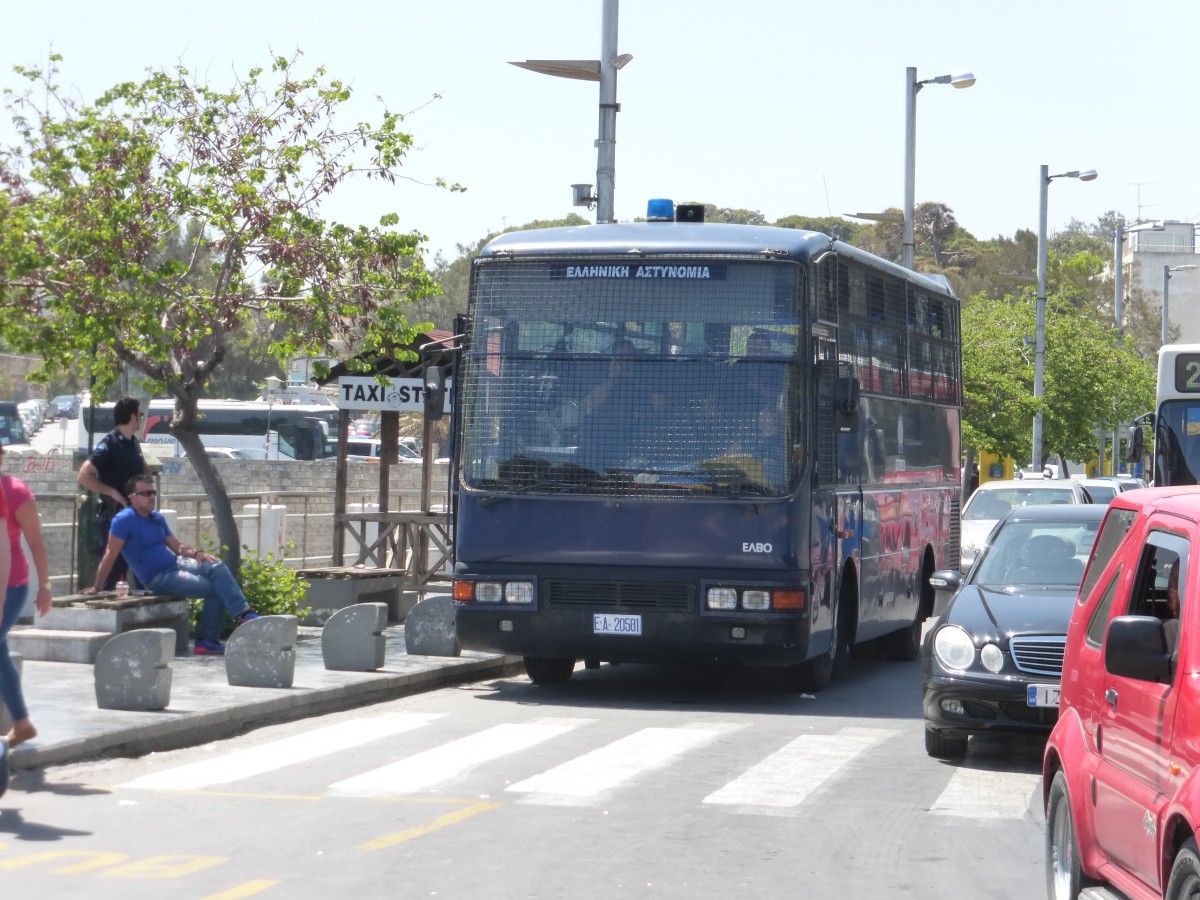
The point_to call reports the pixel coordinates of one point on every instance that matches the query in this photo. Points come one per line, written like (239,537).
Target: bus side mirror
(846,405)
(1137,445)
(435,394)
(847,395)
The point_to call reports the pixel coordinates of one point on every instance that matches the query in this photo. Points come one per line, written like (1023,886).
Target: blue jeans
(10,679)
(211,581)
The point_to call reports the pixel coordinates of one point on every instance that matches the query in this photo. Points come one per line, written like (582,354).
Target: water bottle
(122,589)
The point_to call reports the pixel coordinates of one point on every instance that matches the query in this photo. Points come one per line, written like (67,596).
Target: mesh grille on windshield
(670,385)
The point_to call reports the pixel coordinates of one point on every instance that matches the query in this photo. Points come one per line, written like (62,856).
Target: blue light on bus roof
(660,210)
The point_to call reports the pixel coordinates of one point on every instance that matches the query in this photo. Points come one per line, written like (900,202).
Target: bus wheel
(810,676)
(904,645)
(548,669)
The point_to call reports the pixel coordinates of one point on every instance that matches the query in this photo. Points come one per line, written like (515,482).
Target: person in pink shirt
(19,510)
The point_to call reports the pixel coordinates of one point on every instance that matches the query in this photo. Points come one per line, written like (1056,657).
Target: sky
(780,106)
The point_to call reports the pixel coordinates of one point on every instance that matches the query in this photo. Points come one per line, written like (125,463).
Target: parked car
(13,436)
(368,449)
(991,662)
(1121,768)
(229,453)
(67,405)
(1102,490)
(31,416)
(993,500)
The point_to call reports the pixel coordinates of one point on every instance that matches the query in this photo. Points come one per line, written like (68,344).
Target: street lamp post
(1167,270)
(1039,357)
(603,70)
(911,87)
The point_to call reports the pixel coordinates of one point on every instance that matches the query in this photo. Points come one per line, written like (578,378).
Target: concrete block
(6,721)
(262,652)
(352,640)
(133,670)
(326,595)
(170,613)
(429,628)
(58,646)
(401,604)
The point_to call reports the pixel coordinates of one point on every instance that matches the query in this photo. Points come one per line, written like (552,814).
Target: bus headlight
(518,592)
(721,598)
(756,600)
(953,647)
(489,592)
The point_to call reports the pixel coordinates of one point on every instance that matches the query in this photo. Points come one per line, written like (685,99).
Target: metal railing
(411,539)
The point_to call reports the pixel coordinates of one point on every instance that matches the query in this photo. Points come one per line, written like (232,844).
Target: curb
(167,729)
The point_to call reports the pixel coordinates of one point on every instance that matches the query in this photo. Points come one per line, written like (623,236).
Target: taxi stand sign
(394,395)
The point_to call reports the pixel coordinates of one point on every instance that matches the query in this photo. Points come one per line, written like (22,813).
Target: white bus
(262,430)
(1177,416)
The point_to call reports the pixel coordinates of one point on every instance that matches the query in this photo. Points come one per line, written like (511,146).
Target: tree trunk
(222,510)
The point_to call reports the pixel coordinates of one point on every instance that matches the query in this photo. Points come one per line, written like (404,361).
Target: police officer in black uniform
(116,459)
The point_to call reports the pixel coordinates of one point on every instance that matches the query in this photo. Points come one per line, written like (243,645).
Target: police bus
(261,430)
(682,442)
(1177,416)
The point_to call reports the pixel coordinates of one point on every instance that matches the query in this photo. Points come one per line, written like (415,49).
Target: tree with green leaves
(93,194)
(1090,379)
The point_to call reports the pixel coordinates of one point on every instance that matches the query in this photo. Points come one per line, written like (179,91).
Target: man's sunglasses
(149,493)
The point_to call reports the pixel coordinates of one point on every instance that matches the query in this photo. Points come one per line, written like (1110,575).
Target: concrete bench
(352,640)
(106,612)
(336,587)
(262,652)
(133,670)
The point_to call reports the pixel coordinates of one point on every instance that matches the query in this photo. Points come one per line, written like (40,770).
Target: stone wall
(306,489)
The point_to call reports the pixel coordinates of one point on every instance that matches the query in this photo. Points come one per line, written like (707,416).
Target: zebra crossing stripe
(787,777)
(975,793)
(453,759)
(253,761)
(608,767)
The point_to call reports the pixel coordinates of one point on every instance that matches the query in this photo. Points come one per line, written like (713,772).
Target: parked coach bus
(682,442)
(262,430)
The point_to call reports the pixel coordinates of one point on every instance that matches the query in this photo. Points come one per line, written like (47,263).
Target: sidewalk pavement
(204,707)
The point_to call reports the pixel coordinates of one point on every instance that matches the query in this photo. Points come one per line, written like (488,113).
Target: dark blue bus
(681,442)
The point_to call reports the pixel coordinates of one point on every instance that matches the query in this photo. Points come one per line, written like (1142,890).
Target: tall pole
(910,164)
(1166,322)
(1118,318)
(606,143)
(1039,361)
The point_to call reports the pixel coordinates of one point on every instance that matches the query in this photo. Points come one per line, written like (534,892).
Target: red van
(1119,778)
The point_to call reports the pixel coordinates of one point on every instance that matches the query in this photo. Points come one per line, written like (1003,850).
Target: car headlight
(992,657)
(953,647)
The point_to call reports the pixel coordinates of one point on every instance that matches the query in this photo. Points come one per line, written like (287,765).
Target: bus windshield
(594,379)
(1177,442)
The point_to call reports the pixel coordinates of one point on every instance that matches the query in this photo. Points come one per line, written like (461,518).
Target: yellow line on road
(248,889)
(399,837)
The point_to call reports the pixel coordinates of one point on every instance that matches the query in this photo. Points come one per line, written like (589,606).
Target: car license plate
(607,623)
(1043,695)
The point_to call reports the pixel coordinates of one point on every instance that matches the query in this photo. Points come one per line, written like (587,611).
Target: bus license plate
(1043,695)
(607,623)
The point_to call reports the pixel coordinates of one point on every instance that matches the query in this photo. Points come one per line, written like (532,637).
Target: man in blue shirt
(165,566)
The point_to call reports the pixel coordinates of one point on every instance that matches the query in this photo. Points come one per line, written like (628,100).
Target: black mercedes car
(993,660)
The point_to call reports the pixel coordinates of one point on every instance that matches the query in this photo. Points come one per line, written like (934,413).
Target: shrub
(271,588)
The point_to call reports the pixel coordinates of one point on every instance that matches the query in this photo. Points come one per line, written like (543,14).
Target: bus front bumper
(684,637)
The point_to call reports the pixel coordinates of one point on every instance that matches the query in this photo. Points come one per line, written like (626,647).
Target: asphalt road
(629,781)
